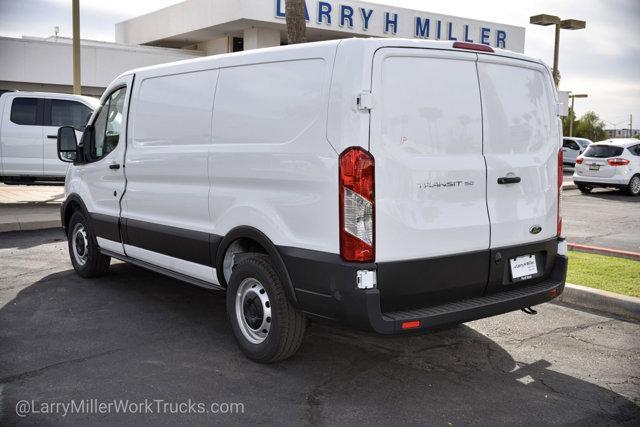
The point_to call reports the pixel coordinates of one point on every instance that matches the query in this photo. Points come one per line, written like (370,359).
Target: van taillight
(579,160)
(618,162)
(357,220)
(560,179)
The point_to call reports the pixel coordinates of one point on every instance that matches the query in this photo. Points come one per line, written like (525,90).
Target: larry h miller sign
(386,21)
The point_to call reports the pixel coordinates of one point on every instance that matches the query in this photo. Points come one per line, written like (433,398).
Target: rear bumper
(325,288)
(617,180)
(472,308)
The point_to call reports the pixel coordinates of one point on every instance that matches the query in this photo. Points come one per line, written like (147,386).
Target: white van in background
(29,123)
(387,184)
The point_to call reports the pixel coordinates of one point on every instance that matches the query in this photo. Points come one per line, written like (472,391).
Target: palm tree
(296,24)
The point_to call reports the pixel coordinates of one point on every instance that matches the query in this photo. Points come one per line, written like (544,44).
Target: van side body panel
(270,164)
(348,125)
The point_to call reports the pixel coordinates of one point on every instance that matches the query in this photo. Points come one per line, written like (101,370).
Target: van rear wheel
(83,248)
(267,327)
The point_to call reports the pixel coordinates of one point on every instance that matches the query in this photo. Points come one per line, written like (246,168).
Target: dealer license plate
(523,267)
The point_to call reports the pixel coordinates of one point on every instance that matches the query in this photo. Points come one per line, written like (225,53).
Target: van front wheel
(267,327)
(83,248)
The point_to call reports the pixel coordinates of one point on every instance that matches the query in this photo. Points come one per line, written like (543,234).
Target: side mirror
(67,144)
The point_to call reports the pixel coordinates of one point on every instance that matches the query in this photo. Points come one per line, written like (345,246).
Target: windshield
(603,151)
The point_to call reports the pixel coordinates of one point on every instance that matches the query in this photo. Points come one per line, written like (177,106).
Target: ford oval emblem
(535,229)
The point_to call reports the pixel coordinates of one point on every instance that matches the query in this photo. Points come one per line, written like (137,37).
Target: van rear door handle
(114,166)
(509,180)
(52,136)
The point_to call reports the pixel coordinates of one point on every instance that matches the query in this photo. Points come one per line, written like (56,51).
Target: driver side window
(108,125)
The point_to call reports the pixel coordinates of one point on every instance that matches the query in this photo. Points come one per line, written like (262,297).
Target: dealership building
(196,28)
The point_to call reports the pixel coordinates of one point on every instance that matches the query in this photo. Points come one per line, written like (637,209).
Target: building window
(237,44)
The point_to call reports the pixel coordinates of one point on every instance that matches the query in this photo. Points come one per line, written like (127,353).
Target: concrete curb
(569,187)
(30,225)
(604,251)
(603,301)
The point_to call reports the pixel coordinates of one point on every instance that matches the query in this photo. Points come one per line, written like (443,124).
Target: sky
(602,60)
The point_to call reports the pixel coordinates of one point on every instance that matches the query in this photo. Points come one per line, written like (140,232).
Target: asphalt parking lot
(605,217)
(137,335)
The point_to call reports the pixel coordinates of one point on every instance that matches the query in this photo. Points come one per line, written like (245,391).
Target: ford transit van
(390,185)
(29,123)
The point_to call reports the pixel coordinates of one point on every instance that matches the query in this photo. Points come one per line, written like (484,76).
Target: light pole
(565,24)
(572,114)
(75,8)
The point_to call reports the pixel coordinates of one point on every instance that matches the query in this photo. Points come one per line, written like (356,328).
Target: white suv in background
(611,163)
(29,123)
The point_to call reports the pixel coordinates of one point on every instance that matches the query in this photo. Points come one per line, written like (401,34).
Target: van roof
(371,44)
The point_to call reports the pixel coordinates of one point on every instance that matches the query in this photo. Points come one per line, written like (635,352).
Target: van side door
(102,174)
(22,143)
(57,113)
(165,211)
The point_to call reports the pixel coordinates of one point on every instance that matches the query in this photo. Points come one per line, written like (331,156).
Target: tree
(296,24)
(590,126)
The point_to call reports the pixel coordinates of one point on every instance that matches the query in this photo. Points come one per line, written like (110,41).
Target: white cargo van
(390,185)
(29,123)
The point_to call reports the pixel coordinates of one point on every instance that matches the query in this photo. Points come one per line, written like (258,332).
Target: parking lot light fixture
(544,20)
(572,24)
(566,24)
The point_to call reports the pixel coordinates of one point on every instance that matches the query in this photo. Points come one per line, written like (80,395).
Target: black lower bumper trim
(468,309)
(475,308)
(325,288)
(599,184)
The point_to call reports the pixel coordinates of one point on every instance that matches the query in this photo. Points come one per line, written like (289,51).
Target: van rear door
(522,138)
(430,176)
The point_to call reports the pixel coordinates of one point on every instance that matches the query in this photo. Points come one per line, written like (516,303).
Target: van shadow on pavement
(137,335)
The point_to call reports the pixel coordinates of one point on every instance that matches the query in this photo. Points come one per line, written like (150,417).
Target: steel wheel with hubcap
(79,244)
(83,248)
(266,325)
(253,309)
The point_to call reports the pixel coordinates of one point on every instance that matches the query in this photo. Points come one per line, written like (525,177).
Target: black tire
(633,189)
(286,323)
(95,264)
(585,189)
